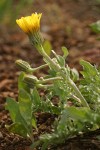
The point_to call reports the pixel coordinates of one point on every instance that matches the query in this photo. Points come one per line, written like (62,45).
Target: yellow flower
(30,24)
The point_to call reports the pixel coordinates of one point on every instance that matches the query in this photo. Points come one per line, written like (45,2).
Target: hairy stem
(57,68)
(48,80)
(38,68)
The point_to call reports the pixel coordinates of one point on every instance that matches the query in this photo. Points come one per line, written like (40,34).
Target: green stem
(78,93)
(57,68)
(38,68)
(44,86)
(48,59)
(48,80)
(76,98)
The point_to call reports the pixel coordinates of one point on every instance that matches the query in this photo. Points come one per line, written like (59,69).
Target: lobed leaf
(88,69)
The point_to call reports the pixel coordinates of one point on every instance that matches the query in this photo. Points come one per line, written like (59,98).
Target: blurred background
(64,22)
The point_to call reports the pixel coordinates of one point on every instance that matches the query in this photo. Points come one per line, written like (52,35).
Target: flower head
(30,80)
(30,24)
(23,66)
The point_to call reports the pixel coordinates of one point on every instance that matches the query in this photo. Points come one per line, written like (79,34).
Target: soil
(64,23)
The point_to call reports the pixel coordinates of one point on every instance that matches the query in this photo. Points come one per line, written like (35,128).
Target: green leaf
(76,113)
(35,98)
(35,144)
(88,69)
(75,74)
(47,106)
(47,47)
(25,105)
(14,111)
(61,91)
(90,84)
(34,122)
(17,128)
(21,84)
(61,61)
(16,116)
(65,51)
(45,145)
(44,106)
(95,27)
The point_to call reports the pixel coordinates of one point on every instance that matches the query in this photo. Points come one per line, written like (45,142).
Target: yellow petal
(30,24)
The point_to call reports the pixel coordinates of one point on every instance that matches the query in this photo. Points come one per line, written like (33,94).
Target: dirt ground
(64,23)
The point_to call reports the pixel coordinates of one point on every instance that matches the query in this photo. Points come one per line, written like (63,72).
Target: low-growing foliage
(77,109)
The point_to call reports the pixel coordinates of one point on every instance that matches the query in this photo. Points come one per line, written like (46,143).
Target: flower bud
(23,66)
(30,80)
